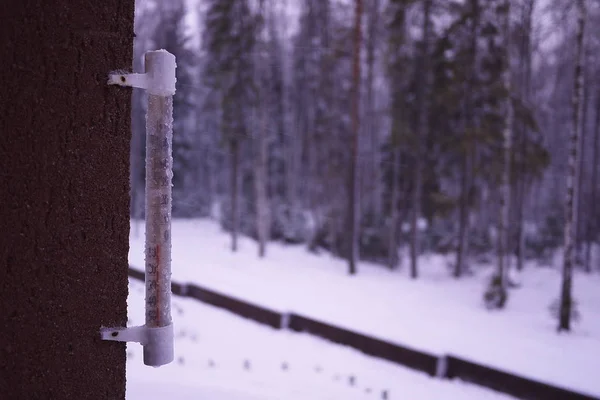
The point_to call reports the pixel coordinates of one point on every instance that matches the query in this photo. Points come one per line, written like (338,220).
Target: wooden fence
(440,366)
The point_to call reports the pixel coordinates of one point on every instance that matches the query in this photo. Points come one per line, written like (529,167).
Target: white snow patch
(213,347)
(435,313)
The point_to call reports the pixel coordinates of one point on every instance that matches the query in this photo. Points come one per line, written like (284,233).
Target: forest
(382,130)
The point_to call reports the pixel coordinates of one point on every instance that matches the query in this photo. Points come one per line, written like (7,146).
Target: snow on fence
(440,366)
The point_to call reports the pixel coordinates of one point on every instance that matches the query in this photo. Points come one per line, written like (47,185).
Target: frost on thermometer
(157,334)
(159,174)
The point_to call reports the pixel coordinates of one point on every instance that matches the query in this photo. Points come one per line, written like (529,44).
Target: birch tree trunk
(262,201)
(566,297)
(354,192)
(261,176)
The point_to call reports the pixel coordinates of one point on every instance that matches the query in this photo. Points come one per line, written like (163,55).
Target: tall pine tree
(228,41)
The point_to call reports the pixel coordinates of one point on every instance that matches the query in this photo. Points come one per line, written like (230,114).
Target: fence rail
(414,359)
(240,307)
(441,366)
(507,382)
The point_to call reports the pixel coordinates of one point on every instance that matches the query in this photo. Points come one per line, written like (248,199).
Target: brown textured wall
(64,196)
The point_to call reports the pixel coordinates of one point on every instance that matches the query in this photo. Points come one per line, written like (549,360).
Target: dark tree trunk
(467,164)
(234,148)
(65,190)
(370,122)
(397,72)
(504,229)
(353,190)
(523,181)
(580,227)
(592,224)
(261,176)
(463,218)
(422,133)
(393,237)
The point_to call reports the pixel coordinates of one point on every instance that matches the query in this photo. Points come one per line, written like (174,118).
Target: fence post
(441,370)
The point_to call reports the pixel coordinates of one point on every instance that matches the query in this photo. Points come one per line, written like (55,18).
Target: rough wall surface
(64,191)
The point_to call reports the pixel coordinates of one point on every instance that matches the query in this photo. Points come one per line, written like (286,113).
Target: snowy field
(435,313)
(219,356)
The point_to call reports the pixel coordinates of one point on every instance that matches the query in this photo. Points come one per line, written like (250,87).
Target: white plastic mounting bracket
(156,341)
(159,78)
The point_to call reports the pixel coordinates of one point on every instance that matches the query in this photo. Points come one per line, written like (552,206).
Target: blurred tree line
(459,141)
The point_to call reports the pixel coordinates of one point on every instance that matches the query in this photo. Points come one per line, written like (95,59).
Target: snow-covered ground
(220,356)
(434,313)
